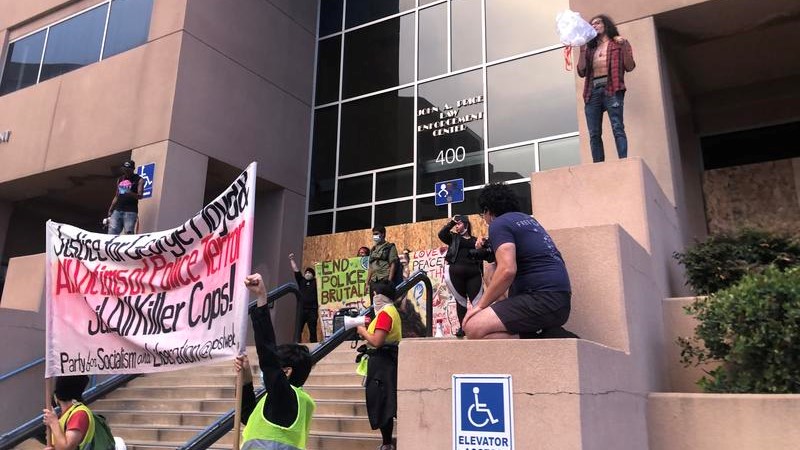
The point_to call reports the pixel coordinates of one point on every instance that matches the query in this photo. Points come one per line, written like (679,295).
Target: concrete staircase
(160,411)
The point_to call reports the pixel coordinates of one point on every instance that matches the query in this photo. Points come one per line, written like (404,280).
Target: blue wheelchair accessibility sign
(482,412)
(148,174)
(450,191)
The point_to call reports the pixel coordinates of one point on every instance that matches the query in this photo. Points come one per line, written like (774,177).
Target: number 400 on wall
(451,155)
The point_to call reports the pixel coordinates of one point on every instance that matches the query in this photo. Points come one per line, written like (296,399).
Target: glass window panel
(433,41)
(512,164)
(328,59)
(519,26)
(354,191)
(74,43)
(467,33)
(530,98)
(425,2)
(469,205)
(323,159)
(394,213)
(427,209)
(363,11)
(22,63)
(523,192)
(320,224)
(330,17)
(450,131)
(377,132)
(128,25)
(353,219)
(394,183)
(559,153)
(379,56)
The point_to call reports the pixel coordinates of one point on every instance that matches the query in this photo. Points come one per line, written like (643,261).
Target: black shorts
(530,312)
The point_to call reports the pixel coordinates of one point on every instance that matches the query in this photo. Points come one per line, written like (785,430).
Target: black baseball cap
(129,164)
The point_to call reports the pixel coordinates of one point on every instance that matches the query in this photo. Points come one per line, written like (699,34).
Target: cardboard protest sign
(340,283)
(151,302)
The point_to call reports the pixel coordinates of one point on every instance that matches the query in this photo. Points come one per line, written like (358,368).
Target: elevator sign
(483,416)
(148,174)
(451,191)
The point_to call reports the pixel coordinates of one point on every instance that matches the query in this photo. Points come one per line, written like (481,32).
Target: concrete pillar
(279,231)
(178,188)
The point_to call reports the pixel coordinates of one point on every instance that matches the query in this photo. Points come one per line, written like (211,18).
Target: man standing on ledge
(124,209)
(383,259)
(528,265)
(603,61)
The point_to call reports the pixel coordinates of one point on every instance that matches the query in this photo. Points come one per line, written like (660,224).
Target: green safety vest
(62,421)
(396,334)
(259,433)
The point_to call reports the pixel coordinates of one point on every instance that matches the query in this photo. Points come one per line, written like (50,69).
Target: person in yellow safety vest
(74,429)
(282,418)
(382,335)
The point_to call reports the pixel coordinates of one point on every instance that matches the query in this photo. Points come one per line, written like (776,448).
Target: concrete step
(340,424)
(187,393)
(336,392)
(344,441)
(341,408)
(160,418)
(347,366)
(184,379)
(350,378)
(209,405)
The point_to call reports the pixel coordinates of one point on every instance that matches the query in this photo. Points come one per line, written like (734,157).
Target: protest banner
(340,284)
(151,302)
(444,305)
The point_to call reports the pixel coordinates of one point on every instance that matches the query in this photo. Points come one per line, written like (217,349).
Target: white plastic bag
(573,30)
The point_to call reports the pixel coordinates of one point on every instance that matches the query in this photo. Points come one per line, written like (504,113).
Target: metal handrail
(35,427)
(224,424)
(21,369)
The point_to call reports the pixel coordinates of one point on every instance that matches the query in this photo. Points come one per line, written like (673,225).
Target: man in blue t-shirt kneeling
(529,266)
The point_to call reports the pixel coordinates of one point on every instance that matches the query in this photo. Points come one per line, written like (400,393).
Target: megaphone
(352,322)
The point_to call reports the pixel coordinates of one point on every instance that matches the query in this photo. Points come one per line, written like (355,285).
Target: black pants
(309,319)
(467,280)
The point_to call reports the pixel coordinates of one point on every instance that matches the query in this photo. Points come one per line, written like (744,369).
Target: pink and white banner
(151,302)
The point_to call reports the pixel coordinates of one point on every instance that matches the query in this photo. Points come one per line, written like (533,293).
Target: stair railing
(224,424)
(34,428)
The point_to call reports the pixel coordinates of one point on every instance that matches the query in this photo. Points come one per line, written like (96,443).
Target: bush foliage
(753,329)
(722,260)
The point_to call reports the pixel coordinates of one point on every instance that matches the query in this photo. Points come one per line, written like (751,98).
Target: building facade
(355,109)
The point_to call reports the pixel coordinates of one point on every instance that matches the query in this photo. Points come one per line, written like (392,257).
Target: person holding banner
(308,297)
(462,272)
(282,418)
(74,429)
(383,336)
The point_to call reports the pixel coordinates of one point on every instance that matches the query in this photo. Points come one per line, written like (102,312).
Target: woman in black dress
(462,272)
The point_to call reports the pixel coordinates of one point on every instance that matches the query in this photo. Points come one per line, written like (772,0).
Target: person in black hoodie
(308,290)
(463,273)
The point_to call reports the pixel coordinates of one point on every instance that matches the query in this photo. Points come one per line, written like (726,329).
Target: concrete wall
(556,393)
(22,326)
(617,192)
(723,421)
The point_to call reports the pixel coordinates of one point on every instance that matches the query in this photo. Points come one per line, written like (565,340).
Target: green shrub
(753,329)
(723,259)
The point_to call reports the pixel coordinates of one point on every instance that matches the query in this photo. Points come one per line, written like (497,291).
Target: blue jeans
(597,104)
(122,220)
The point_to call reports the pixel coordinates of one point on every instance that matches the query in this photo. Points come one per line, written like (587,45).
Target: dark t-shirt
(540,266)
(308,291)
(125,202)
